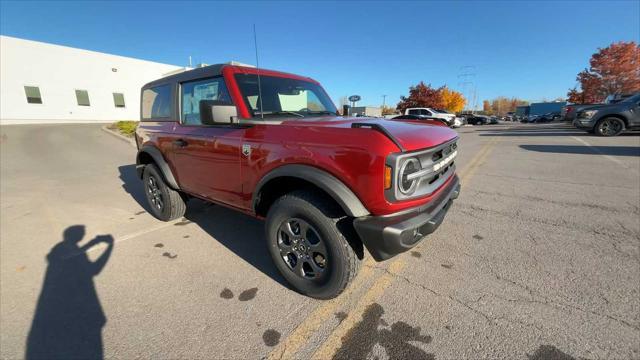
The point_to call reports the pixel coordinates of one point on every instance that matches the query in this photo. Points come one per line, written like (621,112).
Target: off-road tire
(173,204)
(342,263)
(609,126)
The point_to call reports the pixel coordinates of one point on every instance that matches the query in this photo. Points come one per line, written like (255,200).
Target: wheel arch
(288,178)
(151,155)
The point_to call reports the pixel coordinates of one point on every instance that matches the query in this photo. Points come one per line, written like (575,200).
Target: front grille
(430,176)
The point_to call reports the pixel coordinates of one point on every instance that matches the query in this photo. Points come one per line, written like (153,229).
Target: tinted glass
(156,102)
(82,96)
(284,96)
(414,112)
(33,94)
(193,92)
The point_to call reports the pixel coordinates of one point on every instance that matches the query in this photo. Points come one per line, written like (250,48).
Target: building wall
(544,108)
(58,71)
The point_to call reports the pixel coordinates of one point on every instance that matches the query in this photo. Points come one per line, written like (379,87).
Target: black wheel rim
(154,194)
(302,249)
(610,127)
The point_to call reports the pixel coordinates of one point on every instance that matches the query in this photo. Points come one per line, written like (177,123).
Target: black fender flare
(157,157)
(347,200)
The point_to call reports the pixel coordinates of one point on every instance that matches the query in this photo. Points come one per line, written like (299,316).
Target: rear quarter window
(157,103)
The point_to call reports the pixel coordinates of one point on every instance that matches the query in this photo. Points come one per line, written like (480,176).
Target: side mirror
(214,112)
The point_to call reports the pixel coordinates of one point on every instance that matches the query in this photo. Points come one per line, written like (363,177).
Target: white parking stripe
(125,237)
(595,149)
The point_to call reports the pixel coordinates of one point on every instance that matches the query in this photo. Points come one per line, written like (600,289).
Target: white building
(365,111)
(46,83)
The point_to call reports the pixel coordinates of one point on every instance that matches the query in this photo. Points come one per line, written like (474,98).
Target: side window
(33,94)
(194,91)
(118,100)
(414,112)
(426,112)
(82,96)
(156,102)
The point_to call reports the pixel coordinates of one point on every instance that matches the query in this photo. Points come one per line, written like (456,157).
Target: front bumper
(586,124)
(390,235)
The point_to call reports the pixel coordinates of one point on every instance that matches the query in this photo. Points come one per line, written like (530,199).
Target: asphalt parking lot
(539,258)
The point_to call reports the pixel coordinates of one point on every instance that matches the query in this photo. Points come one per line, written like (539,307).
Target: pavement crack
(454,299)
(558,305)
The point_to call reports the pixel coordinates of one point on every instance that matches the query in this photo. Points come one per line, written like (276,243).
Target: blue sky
(532,50)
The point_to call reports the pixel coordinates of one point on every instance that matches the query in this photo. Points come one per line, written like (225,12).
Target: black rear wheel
(166,204)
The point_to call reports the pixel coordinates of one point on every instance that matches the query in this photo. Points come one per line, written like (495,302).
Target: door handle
(180,143)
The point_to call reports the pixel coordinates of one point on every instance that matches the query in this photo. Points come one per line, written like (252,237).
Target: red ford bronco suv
(271,144)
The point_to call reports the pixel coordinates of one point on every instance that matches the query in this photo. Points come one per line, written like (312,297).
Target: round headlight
(406,186)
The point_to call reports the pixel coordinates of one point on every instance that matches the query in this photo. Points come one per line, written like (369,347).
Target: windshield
(284,97)
(633,98)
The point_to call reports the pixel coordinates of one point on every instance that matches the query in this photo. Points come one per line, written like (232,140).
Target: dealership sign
(354,98)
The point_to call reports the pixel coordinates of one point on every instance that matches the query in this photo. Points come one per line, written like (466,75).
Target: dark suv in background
(610,119)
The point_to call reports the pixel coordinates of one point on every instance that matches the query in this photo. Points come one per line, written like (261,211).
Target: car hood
(600,107)
(410,135)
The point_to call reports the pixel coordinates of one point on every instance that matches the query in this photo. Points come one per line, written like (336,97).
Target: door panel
(208,162)
(206,158)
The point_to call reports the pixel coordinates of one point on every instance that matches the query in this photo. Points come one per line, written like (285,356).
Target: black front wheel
(307,246)
(609,127)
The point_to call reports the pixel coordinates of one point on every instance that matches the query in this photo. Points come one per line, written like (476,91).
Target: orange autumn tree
(453,101)
(612,70)
(421,95)
(486,106)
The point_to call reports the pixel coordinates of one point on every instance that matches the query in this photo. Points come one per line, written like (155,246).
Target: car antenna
(255,43)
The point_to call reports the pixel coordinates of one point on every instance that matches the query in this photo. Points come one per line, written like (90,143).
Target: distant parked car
(478,120)
(610,119)
(548,117)
(493,120)
(431,113)
(570,111)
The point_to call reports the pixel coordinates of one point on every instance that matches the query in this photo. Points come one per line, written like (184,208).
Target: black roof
(198,73)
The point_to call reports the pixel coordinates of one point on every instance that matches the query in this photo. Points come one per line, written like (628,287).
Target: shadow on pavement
(240,233)
(546,133)
(398,339)
(549,352)
(68,320)
(132,184)
(586,150)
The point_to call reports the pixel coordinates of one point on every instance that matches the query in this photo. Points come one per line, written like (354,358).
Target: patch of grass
(126,128)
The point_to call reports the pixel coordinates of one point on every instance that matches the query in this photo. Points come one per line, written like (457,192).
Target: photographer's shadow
(68,320)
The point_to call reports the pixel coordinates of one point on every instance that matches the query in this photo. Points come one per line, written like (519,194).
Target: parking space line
(611,158)
(330,346)
(328,349)
(301,334)
(126,237)
(478,160)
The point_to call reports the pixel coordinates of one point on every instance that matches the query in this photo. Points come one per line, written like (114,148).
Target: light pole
(384,97)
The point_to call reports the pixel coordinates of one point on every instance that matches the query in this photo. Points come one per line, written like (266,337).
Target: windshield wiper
(277,113)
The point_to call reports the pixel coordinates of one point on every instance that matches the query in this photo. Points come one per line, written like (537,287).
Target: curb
(119,136)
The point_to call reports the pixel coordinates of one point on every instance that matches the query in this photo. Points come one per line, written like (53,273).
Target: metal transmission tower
(466,76)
